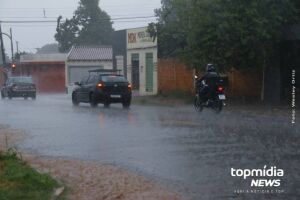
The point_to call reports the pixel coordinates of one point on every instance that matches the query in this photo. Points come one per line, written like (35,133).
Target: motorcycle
(215,99)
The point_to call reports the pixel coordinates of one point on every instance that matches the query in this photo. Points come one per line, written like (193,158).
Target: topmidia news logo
(266,177)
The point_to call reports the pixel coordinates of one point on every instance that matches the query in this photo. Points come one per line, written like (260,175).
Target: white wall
(140,42)
(139,38)
(142,69)
(85,67)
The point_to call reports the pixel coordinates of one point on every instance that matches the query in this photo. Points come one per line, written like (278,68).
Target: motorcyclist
(207,82)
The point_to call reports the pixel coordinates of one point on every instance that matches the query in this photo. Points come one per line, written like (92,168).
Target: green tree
(17,56)
(66,34)
(89,26)
(169,29)
(48,48)
(231,33)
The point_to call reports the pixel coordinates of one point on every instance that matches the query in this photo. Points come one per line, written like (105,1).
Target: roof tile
(90,53)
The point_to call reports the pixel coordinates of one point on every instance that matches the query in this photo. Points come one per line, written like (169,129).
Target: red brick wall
(48,77)
(174,76)
(244,84)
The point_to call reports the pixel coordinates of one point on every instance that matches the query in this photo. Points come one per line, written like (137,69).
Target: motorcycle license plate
(222,96)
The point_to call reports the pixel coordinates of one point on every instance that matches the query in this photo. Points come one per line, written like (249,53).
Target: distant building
(135,53)
(47,71)
(81,59)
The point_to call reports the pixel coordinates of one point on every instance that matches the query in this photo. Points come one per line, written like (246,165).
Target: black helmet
(210,68)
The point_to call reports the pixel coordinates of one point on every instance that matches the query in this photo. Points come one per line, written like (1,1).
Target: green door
(149,72)
(135,73)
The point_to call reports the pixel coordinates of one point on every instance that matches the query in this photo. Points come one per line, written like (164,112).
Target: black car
(18,87)
(103,88)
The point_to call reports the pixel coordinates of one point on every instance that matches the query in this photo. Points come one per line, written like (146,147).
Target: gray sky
(31,36)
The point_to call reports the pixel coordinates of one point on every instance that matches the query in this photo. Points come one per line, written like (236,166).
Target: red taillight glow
(100,85)
(220,89)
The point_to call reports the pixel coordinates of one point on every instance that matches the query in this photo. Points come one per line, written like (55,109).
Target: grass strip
(19,181)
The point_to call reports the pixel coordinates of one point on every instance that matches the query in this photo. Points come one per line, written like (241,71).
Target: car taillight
(100,85)
(220,89)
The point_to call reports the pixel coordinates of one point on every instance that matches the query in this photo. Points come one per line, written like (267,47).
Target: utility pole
(11,43)
(2,48)
(17,45)
(12,46)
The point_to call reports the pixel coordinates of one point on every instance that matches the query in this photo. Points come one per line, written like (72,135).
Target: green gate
(149,72)
(135,73)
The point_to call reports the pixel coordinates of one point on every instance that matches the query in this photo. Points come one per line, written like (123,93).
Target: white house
(81,59)
(142,61)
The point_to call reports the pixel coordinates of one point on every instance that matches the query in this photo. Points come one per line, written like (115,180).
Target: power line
(54,25)
(73,8)
(132,21)
(30,25)
(49,17)
(33,21)
(29,17)
(54,17)
(141,17)
(55,21)
(36,8)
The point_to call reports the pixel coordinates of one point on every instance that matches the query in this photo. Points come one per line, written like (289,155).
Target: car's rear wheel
(126,104)
(106,104)
(9,96)
(75,99)
(93,101)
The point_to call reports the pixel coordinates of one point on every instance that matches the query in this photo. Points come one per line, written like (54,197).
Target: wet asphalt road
(175,146)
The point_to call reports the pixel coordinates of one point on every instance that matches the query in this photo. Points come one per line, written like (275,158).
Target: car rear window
(21,79)
(113,79)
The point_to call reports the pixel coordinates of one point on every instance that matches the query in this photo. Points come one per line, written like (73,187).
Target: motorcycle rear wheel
(197,104)
(218,106)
